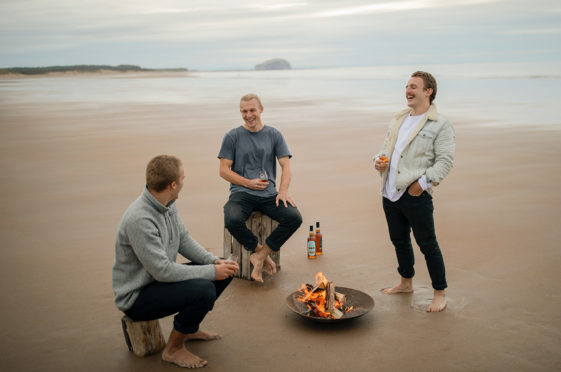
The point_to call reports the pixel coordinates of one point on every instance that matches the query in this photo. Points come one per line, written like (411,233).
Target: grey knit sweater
(150,236)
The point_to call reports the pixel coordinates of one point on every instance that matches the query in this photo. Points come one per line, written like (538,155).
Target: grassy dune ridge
(79,68)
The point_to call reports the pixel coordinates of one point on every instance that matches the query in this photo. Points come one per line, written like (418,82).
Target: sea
(482,94)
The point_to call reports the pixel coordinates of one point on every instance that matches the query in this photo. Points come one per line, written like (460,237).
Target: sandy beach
(69,172)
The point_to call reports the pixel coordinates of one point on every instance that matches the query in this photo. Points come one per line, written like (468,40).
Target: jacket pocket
(426,134)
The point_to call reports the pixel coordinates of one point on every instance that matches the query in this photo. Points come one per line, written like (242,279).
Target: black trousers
(415,212)
(239,207)
(191,299)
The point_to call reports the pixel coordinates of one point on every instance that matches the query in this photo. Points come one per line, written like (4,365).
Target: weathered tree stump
(143,337)
(261,225)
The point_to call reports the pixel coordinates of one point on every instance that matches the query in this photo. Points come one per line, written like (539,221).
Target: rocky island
(274,64)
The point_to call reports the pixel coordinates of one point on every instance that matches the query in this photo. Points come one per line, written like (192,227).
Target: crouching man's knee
(293,219)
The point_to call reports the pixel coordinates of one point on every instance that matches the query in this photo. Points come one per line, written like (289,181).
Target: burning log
(337,314)
(330,300)
(329,297)
(340,297)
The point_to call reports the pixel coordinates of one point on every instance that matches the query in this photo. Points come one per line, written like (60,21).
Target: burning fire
(316,298)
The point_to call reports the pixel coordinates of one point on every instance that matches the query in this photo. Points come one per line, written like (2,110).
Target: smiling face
(251,113)
(418,98)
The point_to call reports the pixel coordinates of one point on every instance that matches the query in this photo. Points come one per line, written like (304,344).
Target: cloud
(374,8)
(281,6)
(180,7)
(244,32)
(535,31)
(396,6)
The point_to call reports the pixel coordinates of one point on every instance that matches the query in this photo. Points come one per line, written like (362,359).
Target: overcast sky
(230,34)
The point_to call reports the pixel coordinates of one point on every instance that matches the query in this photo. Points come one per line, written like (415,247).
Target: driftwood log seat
(143,337)
(261,225)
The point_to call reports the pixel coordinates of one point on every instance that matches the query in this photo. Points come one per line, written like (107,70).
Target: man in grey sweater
(148,283)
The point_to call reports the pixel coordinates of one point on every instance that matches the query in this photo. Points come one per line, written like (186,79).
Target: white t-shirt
(390,190)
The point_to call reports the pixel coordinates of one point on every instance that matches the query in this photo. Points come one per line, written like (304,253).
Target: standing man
(417,154)
(248,160)
(148,283)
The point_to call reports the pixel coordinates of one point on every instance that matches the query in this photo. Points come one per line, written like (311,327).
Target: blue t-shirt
(252,152)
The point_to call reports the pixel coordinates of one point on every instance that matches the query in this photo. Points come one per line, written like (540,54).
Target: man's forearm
(285,181)
(193,251)
(286,174)
(232,177)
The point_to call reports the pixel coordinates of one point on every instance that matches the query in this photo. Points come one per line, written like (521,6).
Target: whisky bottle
(311,244)
(319,241)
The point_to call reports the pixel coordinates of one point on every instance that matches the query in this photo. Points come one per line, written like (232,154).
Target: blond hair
(249,97)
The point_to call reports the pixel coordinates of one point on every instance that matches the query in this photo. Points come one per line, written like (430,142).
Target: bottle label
(311,248)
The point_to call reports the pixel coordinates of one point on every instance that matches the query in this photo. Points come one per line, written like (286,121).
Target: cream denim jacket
(429,150)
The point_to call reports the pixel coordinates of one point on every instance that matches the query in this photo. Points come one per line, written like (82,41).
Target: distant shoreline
(80,69)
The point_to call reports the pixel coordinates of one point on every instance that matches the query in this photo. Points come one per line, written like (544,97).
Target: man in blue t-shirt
(248,161)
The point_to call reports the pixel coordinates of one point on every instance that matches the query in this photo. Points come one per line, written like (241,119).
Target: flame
(315,297)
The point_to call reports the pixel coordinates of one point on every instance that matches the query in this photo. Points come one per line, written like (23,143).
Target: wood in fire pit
(361,304)
(323,300)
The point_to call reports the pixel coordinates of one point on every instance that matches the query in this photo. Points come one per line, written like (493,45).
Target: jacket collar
(147,195)
(432,113)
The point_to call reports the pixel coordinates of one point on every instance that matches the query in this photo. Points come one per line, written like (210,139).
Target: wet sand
(69,172)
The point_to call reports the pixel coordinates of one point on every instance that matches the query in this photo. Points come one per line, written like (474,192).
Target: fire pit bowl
(360,301)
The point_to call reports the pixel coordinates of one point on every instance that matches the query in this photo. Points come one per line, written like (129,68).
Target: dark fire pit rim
(362,302)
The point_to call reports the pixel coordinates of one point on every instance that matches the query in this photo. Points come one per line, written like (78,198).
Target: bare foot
(256,260)
(183,358)
(438,302)
(270,266)
(203,336)
(404,286)
(397,289)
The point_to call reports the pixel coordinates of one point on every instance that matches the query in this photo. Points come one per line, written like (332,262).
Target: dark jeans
(239,207)
(191,299)
(415,212)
